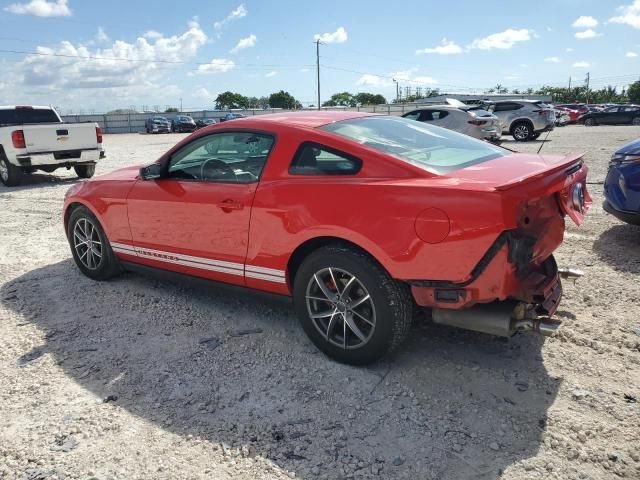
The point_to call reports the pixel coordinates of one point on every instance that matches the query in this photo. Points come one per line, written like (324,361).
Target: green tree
(171,110)
(364,98)
(283,99)
(228,100)
(634,92)
(342,99)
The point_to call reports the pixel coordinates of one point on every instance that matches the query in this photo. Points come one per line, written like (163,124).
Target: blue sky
(104,55)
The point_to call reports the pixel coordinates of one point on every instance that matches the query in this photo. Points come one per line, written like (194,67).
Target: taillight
(99,134)
(17,137)
(477,122)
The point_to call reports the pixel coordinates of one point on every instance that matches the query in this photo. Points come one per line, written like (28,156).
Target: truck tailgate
(54,137)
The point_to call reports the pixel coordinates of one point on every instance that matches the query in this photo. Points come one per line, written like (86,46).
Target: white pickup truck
(35,138)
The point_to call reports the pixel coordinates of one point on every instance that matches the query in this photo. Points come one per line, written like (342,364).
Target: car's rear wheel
(85,171)
(90,247)
(589,122)
(521,131)
(636,121)
(349,306)
(10,175)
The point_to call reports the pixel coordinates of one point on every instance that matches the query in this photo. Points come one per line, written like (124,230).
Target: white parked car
(35,138)
(466,119)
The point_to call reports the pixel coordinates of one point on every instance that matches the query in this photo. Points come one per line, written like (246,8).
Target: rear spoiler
(568,162)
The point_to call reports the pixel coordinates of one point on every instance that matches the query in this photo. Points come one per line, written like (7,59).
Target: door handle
(229,205)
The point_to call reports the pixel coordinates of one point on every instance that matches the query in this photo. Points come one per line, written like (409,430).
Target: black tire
(521,131)
(589,122)
(107,266)
(635,121)
(85,171)
(10,175)
(391,300)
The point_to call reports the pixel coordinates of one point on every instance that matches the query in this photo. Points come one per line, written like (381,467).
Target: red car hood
(129,173)
(509,171)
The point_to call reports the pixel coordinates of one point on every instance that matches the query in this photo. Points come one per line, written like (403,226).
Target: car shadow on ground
(40,180)
(619,247)
(240,372)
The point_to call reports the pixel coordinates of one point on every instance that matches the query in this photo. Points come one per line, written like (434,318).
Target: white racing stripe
(251,271)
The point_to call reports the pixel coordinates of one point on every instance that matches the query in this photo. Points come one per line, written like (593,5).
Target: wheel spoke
(309,297)
(334,281)
(344,331)
(326,292)
(96,253)
(84,254)
(358,302)
(325,314)
(363,318)
(348,320)
(332,324)
(348,285)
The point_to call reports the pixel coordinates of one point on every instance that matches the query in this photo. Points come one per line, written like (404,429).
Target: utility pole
(318,69)
(180,105)
(397,89)
(587,82)
(569,84)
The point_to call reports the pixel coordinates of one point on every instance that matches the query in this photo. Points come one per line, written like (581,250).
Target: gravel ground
(146,378)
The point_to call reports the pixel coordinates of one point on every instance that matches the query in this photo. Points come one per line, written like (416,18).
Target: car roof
(38,107)
(442,107)
(310,119)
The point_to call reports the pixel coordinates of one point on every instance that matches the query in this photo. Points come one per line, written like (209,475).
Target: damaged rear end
(516,286)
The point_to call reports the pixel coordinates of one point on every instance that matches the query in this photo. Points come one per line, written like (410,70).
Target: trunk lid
(61,136)
(534,176)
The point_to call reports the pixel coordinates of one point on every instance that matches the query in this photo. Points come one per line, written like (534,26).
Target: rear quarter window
(315,159)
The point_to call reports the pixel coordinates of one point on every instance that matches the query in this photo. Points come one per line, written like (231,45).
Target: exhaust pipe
(503,319)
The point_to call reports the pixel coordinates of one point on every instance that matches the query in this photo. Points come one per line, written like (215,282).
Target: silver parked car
(523,119)
(469,120)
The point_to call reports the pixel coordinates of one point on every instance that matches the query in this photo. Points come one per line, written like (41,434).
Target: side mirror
(151,172)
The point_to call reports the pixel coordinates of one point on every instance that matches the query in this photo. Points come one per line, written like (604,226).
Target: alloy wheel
(340,308)
(87,244)
(4,170)
(521,132)
(636,121)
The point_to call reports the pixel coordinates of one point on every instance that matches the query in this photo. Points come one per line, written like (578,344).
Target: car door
(626,114)
(194,219)
(608,116)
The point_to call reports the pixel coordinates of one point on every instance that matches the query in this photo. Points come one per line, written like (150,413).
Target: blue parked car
(622,185)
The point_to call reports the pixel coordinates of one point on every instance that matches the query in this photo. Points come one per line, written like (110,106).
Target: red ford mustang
(360,218)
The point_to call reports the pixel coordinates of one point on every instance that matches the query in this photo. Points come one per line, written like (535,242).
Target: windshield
(159,119)
(432,148)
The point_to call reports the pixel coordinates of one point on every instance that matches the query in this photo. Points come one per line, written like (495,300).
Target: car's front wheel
(349,306)
(90,247)
(85,171)
(589,122)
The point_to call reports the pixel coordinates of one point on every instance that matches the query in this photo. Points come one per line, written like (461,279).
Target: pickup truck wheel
(90,247)
(85,171)
(349,306)
(521,131)
(10,175)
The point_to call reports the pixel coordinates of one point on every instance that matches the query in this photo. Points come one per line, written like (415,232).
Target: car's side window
(230,157)
(426,116)
(439,114)
(314,159)
(412,115)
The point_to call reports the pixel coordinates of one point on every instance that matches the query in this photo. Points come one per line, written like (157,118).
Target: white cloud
(512,77)
(585,22)
(217,65)
(631,55)
(552,60)
(370,80)
(446,47)
(101,36)
(581,64)
(423,80)
(234,15)
(502,40)
(587,34)
(630,15)
(41,8)
(247,42)
(66,67)
(272,73)
(569,50)
(304,70)
(204,94)
(339,36)
(152,35)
